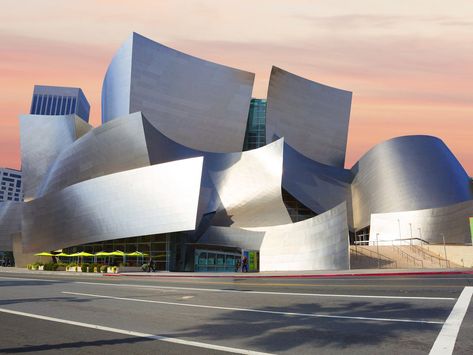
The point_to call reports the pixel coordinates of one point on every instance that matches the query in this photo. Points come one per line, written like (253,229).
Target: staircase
(396,257)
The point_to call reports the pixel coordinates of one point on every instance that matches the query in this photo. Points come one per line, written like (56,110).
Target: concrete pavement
(297,315)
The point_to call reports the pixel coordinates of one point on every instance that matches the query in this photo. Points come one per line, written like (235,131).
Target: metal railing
(378,256)
(408,257)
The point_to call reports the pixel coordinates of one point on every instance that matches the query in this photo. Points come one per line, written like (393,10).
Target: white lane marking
(447,337)
(265,292)
(27,279)
(254,310)
(136,334)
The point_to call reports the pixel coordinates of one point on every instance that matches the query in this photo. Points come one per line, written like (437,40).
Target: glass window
(48,108)
(73,108)
(53,110)
(62,107)
(210,259)
(33,105)
(38,106)
(68,108)
(220,259)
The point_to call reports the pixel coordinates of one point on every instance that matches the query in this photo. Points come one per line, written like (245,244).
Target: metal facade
(156,199)
(116,146)
(405,174)
(318,243)
(313,118)
(42,140)
(10,223)
(431,225)
(192,101)
(176,165)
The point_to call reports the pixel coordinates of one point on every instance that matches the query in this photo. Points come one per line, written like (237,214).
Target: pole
(410,227)
(399,225)
(377,248)
(444,249)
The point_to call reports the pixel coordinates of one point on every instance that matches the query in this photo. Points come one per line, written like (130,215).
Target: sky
(409,63)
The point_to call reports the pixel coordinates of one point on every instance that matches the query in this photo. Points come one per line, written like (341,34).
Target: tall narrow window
(53,109)
(73,108)
(68,109)
(33,105)
(48,109)
(43,106)
(38,105)
(63,105)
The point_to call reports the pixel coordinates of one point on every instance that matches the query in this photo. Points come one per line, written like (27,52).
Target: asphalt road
(49,314)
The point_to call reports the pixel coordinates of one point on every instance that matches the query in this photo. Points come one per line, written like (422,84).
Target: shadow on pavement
(277,333)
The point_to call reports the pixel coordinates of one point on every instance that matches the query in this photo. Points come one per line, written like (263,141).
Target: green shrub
(103,268)
(84,267)
(144,267)
(50,266)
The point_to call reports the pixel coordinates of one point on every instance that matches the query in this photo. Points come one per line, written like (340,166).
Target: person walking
(244,263)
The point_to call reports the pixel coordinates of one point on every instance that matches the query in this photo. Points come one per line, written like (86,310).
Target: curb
(295,276)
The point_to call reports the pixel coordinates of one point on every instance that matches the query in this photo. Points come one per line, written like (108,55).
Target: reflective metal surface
(42,139)
(432,225)
(318,243)
(10,223)
(156,199)
(248,185)
(232,237)
(192,101)
(318,186)
(116,146)
(243,187)
(312,118)
(405,174)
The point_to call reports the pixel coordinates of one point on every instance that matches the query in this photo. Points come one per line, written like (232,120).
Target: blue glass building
(255,135)
(56,100)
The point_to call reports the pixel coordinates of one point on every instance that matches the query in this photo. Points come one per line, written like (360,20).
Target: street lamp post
(399,225)
(410,228)
(377,248)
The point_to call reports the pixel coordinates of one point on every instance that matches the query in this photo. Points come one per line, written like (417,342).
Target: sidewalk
(239,275)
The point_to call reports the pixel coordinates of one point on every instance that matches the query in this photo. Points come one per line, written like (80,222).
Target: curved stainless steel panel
(10,223)
(42,139)
(151,200)
(405,174)
(249,186)
(243,187)
(232,237)
(117,83)
(312,118)
(116,146)
(192,101)
(451,222)
(318,186)
(318,243)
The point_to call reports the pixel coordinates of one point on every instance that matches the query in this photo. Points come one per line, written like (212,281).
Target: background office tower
(255,136)
(10,185)
(56,100)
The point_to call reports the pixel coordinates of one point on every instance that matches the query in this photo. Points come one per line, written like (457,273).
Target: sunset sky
(409,63)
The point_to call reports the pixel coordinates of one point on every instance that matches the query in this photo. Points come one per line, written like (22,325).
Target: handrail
(403,253)
(421,251)
(376,254)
